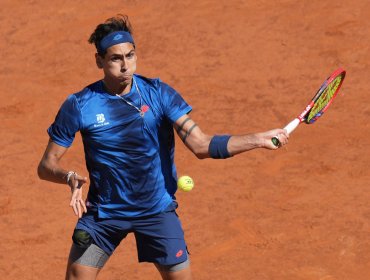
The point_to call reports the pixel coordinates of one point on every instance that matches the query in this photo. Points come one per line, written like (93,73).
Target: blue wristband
(218,147)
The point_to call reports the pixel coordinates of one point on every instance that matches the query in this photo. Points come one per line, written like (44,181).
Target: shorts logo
(100,119)
(179,253)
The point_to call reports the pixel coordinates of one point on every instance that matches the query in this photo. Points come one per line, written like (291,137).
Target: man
(126,122)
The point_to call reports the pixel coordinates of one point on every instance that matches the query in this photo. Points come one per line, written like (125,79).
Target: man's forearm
(52,173)
(242,143)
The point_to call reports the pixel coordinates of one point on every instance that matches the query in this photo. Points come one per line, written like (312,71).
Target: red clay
(300,213)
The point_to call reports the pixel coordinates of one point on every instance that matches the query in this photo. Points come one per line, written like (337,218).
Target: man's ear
(98,60)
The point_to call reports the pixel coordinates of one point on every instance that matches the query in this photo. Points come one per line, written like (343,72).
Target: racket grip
(275,141)
(289,128)
(292,125)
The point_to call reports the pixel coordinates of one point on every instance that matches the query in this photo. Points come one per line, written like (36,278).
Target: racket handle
(292,125)
(289,128)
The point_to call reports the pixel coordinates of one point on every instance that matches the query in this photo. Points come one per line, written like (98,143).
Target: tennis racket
(319,103)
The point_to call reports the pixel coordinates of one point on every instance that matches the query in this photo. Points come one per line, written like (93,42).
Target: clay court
(299,213)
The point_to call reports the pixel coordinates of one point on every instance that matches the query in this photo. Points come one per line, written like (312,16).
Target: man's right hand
(77,203)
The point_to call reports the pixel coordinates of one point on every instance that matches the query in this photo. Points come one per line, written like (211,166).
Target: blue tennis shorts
(159,238)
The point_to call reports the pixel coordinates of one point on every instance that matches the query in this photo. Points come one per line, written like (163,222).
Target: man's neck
(115,88)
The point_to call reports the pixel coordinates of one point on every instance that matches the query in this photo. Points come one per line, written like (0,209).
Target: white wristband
(70,174)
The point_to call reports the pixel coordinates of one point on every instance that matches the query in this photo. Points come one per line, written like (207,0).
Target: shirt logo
(100,119)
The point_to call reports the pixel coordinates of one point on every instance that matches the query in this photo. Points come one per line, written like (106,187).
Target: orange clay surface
(299,213)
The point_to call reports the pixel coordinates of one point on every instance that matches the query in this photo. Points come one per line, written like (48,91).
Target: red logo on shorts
(179,253)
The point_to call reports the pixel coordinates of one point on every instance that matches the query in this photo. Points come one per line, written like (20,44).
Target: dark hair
(117,23)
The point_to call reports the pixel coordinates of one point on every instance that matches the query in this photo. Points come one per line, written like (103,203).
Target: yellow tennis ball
(185,183)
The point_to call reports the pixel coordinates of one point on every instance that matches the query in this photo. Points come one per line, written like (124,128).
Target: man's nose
(123,65)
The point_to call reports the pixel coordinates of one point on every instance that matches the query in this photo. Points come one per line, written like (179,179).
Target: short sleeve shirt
(130,158)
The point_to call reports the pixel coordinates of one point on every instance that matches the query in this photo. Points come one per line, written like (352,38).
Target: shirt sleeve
(67,123)
(174,106)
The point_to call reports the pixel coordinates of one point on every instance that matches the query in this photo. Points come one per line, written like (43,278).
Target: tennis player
(127,125)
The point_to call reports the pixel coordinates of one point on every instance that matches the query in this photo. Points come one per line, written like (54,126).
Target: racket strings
(325,98)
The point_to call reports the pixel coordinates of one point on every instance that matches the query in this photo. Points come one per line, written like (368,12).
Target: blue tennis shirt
(130,158)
